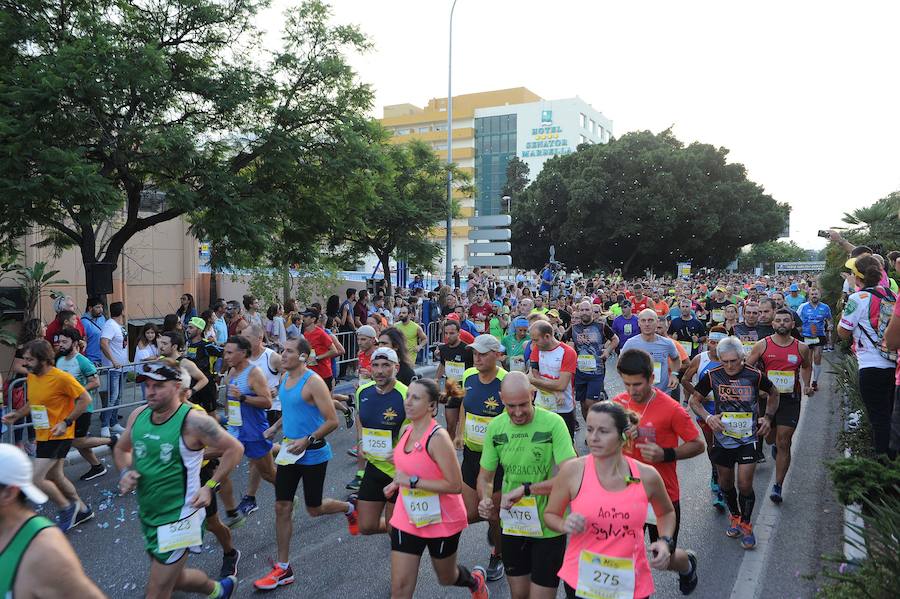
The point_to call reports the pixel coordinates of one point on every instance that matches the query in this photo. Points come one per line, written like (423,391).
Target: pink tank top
(417,462)
(614,527)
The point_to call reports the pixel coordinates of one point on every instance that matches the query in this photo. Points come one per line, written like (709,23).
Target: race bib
(476,428)
(604,577)
(657,372)
(40,418)
(626,328)
(517,363)
(738,425)
(718,315)
(422,507)
(455,370)
(234,413)
(546,400)
(521,520)
(782,379)
(187,532)
(688,346)
(748,346)
(378,443)
(285,457)
(587,363)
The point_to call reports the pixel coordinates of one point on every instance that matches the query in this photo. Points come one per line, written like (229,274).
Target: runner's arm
(892,333)
(561,496)
(51,552)
(338,347)
(755,353)
(805,366)
(693,367)
(196,375)
(207,432)
(321,396)
(560,384)
(421,337)
(442,451)
(258,384)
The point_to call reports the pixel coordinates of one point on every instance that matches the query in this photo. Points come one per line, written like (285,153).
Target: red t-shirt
(487,309)
(320,342)
(54,327)
(663,421)
(638,305)
(364,360)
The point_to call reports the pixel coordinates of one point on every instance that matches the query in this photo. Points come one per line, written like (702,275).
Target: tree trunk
(213,287)
(385,260)
(286,283)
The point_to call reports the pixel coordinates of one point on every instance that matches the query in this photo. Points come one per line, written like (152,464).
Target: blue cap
(497,303)
(520,323)
(794,287)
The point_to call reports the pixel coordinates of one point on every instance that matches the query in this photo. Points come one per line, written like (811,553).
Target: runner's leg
(783,440)
(42,467)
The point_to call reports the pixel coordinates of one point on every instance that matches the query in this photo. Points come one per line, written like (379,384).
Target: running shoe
(719,502)
(235,521)
(229,586)
(276,578)
(734,527)
(230,564)
(775,495)
(348,417)
(495,568)
(688,582)
(481,592)
(353,522)
(66,517)
(748,539)
(247,506)
(82,516)
(354,484)
(353,452)
(95,472)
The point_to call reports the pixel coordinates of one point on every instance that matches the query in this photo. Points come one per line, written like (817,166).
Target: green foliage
(641,201)
(403,195)
(770,252)
(845,369)
(878,576)
(106,102)
(35,282)
(856,479)
(316,279)
(516,178)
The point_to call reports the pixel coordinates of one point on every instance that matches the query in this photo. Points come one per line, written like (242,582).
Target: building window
(593,127)
(424,129)
(495,145)
(441,127)
(580,139)
(582,120)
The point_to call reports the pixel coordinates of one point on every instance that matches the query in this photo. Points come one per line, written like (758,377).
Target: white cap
(486,343)
(17,472)
(366,331)
(387,353)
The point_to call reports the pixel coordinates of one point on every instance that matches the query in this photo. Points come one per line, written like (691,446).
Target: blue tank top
(300,419)
(254,419)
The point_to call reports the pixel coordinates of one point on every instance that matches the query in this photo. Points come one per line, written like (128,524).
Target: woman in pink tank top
(608,495)
(430,511)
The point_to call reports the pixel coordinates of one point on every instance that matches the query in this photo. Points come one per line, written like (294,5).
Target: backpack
(881,308)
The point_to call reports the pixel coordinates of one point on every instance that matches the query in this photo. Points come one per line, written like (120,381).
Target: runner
(749,331)
(268,361)
(201,352)
(415,336)
(666,360)
(593,343)
(696,370)
(160,455)
(54,400)
(70,360)
(715,306)
(514,345)
(431,512)
(605,558)
(307,417)
(380,414)
(527,442)
(170,345)
(31,546)
(481,405)
(625,325)
(367,341)
(661,423)
(552,371)
(736,423)
(689,332)
(785,361)
(816,318)
(323,347)
(248,398)
(455,358)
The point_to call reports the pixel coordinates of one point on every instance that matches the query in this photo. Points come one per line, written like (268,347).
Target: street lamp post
(448,259)
(508,201)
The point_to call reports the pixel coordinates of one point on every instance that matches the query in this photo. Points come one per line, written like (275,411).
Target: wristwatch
(527,487)
(213,484)
(68,421)
(413,481)
(771,417)
(670,542)
(310,441)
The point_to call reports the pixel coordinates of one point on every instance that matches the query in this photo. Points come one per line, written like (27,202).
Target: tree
(407,194)
(516,179)
(642,201)
(770,252)
(120,115)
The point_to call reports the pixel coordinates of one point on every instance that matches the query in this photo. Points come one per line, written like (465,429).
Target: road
(329,563)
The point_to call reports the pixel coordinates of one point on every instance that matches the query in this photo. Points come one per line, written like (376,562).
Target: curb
(73,458)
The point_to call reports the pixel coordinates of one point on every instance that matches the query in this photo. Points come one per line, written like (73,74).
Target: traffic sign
(497,247)
(491,234)
(499,260)
(497,220)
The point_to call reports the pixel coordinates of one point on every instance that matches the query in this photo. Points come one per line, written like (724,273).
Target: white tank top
(272,378)
(704,362)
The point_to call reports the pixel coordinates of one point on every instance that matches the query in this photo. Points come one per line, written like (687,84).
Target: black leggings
(876,386)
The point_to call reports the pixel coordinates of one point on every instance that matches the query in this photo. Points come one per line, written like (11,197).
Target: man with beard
(593,342)
(415,336)
(199,351)
(456,357)
(748,331)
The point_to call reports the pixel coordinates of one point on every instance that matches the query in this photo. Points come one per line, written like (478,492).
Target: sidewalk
(344,387)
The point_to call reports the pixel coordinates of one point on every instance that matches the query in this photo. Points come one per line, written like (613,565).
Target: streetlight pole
(448,257)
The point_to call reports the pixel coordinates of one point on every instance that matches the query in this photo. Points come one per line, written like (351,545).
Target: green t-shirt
(496,329)
(527,453)
(81,369)
(616,310)
(513,346)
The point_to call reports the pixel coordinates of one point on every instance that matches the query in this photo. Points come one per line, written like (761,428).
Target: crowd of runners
(713,364)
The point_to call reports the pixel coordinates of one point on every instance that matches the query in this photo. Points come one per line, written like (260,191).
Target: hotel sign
(546,140)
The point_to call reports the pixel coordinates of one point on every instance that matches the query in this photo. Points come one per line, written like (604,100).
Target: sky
(804,94)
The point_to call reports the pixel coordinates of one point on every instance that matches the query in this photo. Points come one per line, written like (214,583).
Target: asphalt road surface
(327,562)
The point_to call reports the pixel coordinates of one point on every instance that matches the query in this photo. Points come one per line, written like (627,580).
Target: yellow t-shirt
(53,393)
(410,330)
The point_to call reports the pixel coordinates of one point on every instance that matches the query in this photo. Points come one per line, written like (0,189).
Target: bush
(857,480)
(857,439)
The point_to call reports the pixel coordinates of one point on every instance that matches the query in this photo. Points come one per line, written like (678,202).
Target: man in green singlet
(160,454)
(31,545)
